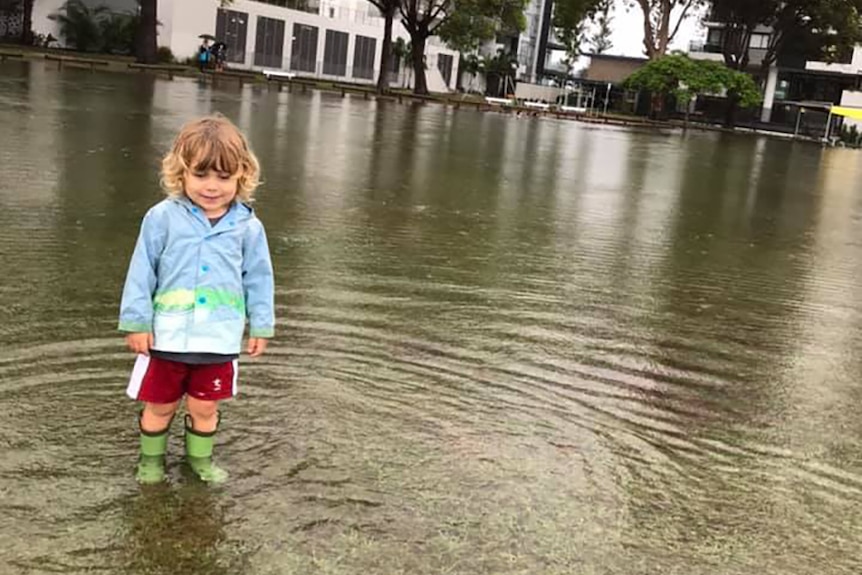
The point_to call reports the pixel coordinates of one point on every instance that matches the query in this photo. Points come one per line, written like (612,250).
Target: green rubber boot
(199,454)
(151,464)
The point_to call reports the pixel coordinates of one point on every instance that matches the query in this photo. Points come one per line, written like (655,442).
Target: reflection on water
(506,345)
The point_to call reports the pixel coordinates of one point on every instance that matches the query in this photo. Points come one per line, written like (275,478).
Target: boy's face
(212,191)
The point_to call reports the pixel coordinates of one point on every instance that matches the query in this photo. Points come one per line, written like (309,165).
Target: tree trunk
(146,41)
(730,112)
(420,86)
(27,27)
(386,50)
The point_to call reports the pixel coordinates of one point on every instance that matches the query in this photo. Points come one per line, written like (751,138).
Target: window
(335,53)
(444,64)
(303,54)
(269,43)
(759,41)
(231,28)
(363,57)
(713,38)
(311,6)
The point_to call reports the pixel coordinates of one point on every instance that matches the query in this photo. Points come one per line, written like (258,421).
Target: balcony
(699,50)
(705,47)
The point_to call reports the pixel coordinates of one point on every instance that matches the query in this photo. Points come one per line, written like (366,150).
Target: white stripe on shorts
(235,377)
(138,373)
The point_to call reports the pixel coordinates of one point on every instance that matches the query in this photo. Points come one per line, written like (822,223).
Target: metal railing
(706,47)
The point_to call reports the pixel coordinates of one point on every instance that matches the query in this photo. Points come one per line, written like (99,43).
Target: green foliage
(79,25)
(471,65)
(164,55)
(809,29)
(402,51)
(96,29)
(684,78)
(600,38)
(460,23)
(850,136)
(503,63)
(662,20)
(118,32)
(570,22)
(468,23)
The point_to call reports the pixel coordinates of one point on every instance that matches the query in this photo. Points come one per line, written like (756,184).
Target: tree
(79,25)
(497,69)
(388,9)
(402,53)
(660,24)
(806,29)
(569,19)
(600,38)
(812,29)
(96,29)
(679,76)
(27,23)
(471,65)
(146,51)
(456,21)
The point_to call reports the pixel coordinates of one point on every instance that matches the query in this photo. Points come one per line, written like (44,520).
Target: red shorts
(157,380)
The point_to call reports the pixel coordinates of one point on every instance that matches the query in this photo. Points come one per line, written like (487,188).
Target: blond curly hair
(211,143)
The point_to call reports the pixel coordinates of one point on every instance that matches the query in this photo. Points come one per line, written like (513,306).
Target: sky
(628,33)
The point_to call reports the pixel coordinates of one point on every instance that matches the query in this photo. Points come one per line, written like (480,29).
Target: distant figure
(204,55)
(200,271)
(219,51)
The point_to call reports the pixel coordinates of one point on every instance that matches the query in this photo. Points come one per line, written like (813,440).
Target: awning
(853,113)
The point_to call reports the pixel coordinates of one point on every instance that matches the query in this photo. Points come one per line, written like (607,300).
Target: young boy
(200,268)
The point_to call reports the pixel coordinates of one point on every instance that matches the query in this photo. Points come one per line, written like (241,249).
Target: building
(791,81)
(328,39)
(532,45)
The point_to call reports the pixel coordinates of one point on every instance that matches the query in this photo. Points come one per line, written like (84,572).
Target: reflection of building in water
(330,39)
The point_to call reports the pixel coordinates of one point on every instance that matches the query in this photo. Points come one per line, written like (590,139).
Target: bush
(164,55)
(850,135)
(96,29)
(118,33)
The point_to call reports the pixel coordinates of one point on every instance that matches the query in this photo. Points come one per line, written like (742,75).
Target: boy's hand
(140,342)
(256,346)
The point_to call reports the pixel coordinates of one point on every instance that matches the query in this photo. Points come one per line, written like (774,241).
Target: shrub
(164,55)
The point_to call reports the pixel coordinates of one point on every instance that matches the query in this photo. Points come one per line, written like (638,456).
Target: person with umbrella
(219,52)
(204,51)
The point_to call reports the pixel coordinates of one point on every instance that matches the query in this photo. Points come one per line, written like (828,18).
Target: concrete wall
(184,20)
(612,69)
(41,23)
(852,99)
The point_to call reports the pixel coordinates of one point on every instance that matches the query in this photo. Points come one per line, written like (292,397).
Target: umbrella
(206,36)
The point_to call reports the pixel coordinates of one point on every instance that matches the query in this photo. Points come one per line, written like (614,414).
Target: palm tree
(79,25)
(500,68)
(402,53)
(471,65)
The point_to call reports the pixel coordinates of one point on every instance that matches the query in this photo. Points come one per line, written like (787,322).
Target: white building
(327,39)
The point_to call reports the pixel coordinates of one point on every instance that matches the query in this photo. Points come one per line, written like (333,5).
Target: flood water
(505,345)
